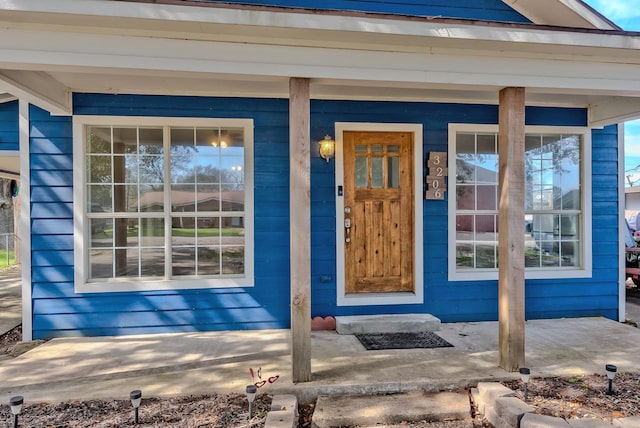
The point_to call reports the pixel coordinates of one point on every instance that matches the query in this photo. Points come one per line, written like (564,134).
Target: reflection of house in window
(189,202)
(480,194)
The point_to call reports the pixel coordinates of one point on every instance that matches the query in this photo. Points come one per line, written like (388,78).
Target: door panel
(378,182)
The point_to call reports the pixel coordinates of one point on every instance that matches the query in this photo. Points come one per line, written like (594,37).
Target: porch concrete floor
(192,363)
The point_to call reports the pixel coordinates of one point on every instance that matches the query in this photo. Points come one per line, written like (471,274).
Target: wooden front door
(379,211)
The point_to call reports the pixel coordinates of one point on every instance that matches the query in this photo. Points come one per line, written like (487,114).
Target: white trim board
(381,298)
(25,219)
(622,289)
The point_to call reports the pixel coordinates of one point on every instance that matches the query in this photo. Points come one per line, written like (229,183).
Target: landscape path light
(611,374)
(16,408)
(136,399)
(525,373)
(251,395)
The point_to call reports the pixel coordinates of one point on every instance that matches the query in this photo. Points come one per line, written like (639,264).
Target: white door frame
(418,265)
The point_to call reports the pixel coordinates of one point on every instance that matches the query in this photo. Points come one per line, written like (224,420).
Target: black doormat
(424,339)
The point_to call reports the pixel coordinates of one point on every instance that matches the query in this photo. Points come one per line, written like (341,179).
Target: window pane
(233,260)
(465,197)
(377,172)
(101,232)
(99,139)
(362,173)
(99,198)
(125,140)
(570,254)
(487,197)
(393,172)
(486,228)
(464,256)
(126,198)
(99,169)
(208,261)
(208,231)
(152,232)
(101,263)
(393,148)
(183,231)
(486,256)
(361,148)
(207,170)
(208,141)
(376,148)
(152,262)
(464,227)
(183,261)
(151,198)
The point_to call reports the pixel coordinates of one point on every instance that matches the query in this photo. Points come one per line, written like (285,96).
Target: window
(556,202)
(167,203)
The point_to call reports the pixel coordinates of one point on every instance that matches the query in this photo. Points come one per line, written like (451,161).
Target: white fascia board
(613,110)
(134,15)
(39,89)
(44,50)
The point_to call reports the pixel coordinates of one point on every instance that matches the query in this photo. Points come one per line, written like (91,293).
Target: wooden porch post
(511,228)
(300,228)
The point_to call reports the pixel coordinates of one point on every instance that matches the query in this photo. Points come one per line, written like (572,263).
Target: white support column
(511,228)
(300,228)
(25,226)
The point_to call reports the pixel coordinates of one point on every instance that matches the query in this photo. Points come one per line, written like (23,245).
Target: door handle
(347,230)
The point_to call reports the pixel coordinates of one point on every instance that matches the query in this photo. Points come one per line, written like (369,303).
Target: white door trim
(380,298)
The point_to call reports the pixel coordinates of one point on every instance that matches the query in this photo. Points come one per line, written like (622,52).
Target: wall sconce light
(327,148)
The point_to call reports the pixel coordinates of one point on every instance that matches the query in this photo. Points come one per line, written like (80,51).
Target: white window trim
(81,235)
(366,299)
(584,271)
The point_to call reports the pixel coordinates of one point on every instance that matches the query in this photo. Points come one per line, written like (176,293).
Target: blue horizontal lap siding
(9,131)
(59,311)
(485,10)
(465,300)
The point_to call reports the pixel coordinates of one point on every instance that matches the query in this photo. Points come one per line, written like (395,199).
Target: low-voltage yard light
(611,374)
(251,395)
(16,408)
(525,373)
(136,399)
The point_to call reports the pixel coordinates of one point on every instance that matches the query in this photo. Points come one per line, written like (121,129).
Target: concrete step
(407,323)
(377,410)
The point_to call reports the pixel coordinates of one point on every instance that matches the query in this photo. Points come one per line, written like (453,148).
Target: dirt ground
(567,397)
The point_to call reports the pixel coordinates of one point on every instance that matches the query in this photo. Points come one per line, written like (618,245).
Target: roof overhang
(568,13)
(49,49)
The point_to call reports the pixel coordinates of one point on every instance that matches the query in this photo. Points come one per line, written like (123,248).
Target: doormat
(423,339)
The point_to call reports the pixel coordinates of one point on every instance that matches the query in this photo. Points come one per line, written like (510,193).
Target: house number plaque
(437,171)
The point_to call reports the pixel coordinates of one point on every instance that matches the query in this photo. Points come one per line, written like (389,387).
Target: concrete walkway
(190,363)
(10,299)
(207,362)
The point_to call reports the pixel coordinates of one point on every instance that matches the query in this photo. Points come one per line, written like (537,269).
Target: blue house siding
(484,10)
(58,310)
(9,135)
(469,300)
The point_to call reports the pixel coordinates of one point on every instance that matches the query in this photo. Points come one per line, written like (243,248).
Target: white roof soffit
(564,13)
(47,47)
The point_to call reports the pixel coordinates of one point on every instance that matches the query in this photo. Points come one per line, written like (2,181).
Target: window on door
(556,203)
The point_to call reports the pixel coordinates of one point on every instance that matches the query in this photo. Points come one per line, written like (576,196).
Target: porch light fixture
(136,399)
(327,148)
(251,395)
(16,408)
(525,373)
(611,374)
